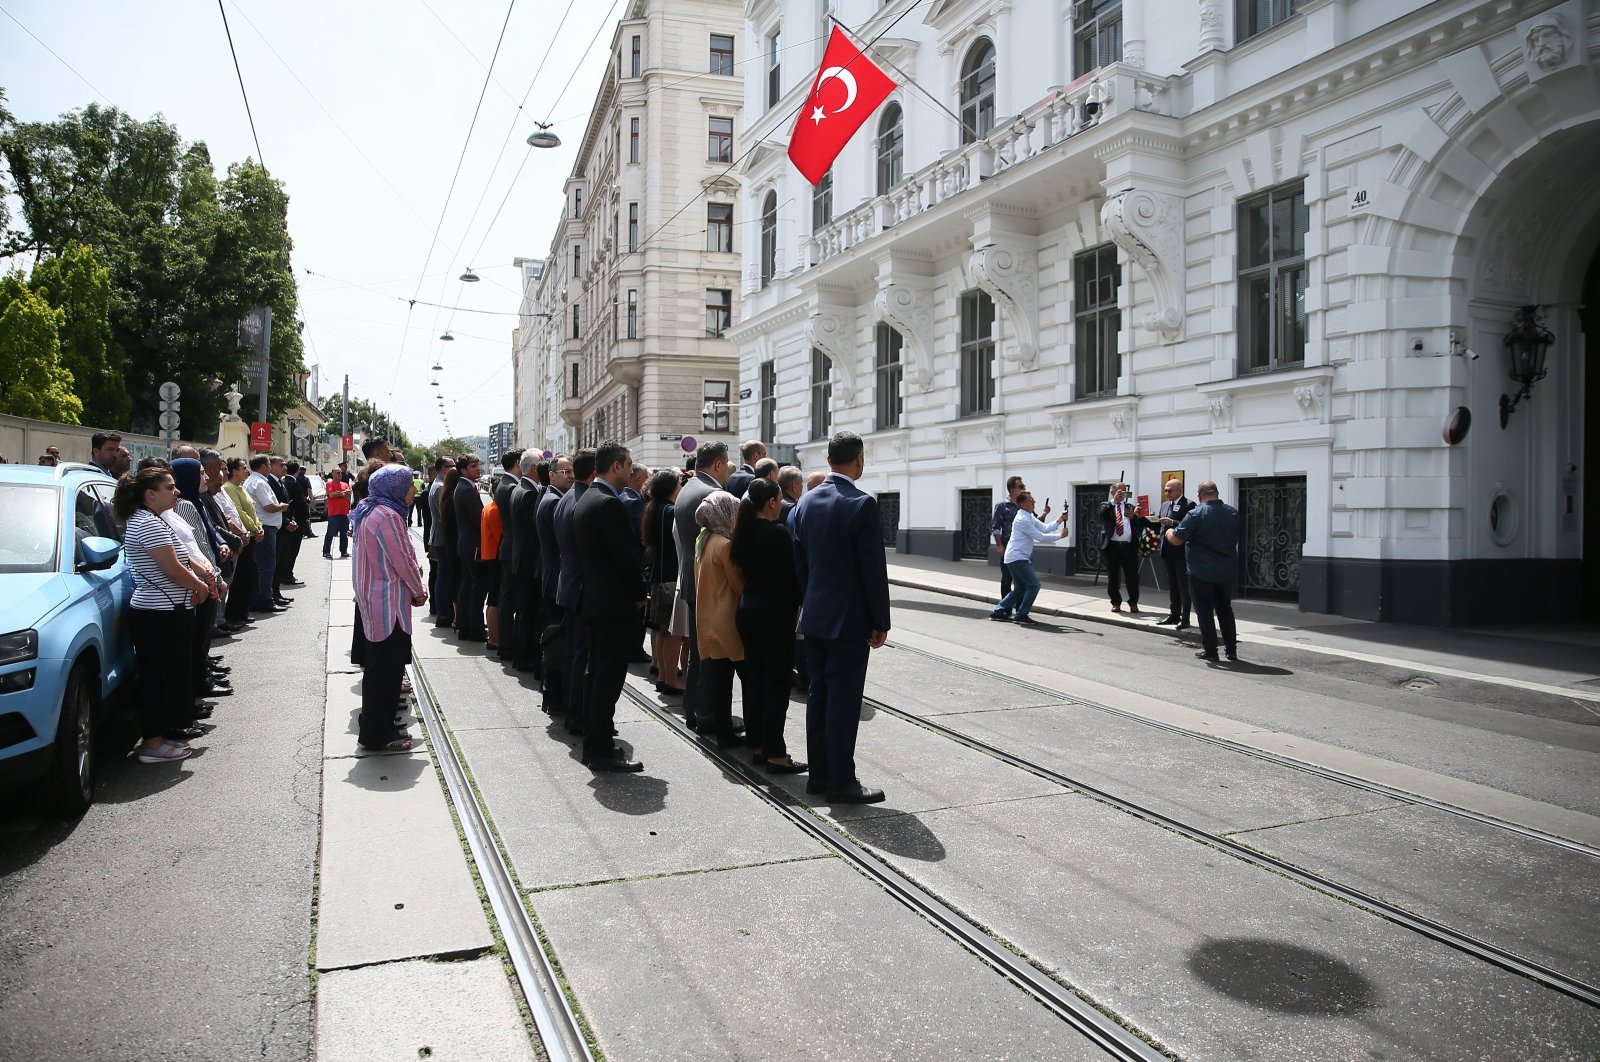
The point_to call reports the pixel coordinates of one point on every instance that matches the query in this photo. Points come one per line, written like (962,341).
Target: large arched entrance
(1589,464)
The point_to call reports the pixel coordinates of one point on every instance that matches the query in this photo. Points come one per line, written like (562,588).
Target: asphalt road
(173,920)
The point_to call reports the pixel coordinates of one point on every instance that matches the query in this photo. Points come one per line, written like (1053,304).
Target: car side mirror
(97,554)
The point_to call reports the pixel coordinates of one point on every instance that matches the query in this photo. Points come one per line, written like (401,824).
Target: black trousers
(444,584)
(716,696)
(509,603)
(1005,575)
(1122,563)
(243,586)
(1177,583)
(200,649)
(469,596)
(1213,604)
(693,712)
(768,636)
(358,642)
(575,667)
(288,553)
(529,625)
(833,708)
(608,642)
(380,687)
(163,640)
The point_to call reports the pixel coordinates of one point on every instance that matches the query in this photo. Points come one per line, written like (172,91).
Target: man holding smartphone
(1026,530)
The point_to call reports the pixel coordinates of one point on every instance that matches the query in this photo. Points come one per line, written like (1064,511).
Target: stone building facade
(1280,244)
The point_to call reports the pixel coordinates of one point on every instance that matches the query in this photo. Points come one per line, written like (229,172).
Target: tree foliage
(187,256)
(75,283)
(33,382)
(365,417)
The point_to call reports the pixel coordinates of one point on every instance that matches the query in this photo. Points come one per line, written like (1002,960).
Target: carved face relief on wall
(1547,42)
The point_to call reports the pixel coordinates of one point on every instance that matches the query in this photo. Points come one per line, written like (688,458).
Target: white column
(1133,32)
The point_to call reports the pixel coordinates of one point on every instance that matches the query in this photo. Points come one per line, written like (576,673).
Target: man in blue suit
(569,590)
(845,614)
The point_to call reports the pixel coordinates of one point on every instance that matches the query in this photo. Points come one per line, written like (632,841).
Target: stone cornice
(769,321)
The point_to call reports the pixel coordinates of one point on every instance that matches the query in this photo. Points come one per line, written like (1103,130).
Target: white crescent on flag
(845,76)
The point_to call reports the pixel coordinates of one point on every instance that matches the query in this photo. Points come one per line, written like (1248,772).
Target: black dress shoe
(219,669)
(1203,655)
(792,767)
(1232,655)
(215,658)
(214,690)
(1166,621)
(616,762)
(856,794)
(283,599)
(1181,625)
(183,733)
(294,582)
(203,711)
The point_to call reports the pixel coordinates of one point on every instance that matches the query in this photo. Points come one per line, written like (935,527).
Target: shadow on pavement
(903,835)
(1281,977)
(397,770)
(630,794)
(1246,667)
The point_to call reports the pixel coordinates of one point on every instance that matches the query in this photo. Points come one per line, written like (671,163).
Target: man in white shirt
(270,510)
(1026,530)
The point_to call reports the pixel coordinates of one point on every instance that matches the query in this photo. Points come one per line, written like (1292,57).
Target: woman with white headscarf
(718,586)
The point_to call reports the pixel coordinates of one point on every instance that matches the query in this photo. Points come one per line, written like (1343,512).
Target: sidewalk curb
(1113,619)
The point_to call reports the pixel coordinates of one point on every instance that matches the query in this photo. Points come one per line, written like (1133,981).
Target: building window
(769,238)
(577,202)
(821,394)
(633,226)
(633,313)
(1096,277)
(1272,279)
(577,259)
(719,140)
(637,61)
(719,312)
(1096,33)
(574,379)
(888,370)
(891,148)
(822,202)
(977,353)
(774,67)
(577,322)
(1258,16)
(769,400)
(722,54)
(826,30)
(977,91)
(717,413)
(719,226)
(633,140)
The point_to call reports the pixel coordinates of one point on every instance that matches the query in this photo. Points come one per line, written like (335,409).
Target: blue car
(64,645)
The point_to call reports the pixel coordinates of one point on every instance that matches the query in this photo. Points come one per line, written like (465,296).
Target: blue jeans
(266,564)
(337,525)
(1024,588)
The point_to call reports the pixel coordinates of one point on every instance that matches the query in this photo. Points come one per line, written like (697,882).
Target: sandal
(165,752)
(405,685)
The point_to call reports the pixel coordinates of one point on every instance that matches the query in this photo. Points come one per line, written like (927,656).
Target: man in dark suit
(468,505)
(506,592)
(305,486)
(554,684)
(711,472)
(569,589)
(1174,507)
(523,528)
(845,615)
(611,594)
(280,477)
(1122,525)
(633,501)
(791,485)
(750,451)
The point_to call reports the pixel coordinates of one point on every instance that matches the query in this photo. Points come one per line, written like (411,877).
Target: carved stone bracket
(1009,272)
(830,331)
(1222,411)
(908,309)
(949,437)
(1149,227)
(1059,423)
(1122,422)
(1309,396)
(991,436)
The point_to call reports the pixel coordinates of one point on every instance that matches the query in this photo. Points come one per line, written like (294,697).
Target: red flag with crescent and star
(848,88)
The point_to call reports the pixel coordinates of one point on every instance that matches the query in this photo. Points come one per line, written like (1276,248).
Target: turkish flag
(848,88)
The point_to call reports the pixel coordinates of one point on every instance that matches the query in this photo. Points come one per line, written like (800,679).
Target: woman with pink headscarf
(388,584)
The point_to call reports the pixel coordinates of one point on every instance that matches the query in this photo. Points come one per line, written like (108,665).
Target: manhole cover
(1419,683)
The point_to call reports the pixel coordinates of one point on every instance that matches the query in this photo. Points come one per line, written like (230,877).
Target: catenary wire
(247,112)
(58,58)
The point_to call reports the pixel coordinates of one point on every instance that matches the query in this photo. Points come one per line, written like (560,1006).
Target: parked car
(319,497)
(64,646)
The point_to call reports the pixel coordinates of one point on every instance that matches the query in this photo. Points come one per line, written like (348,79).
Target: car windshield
(30,528)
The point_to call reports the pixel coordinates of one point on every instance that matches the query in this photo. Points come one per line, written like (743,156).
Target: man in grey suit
(553,686)
(711,472)
(569,589)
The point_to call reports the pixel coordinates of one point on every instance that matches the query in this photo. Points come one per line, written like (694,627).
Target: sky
(362,109)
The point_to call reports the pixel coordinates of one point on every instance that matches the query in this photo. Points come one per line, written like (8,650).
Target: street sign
(669,438)
(346,443)
(688,444)
(168,391)
(168,421)
(744,393)
(260,436)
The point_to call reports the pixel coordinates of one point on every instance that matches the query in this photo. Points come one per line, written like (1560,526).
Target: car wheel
(68,786)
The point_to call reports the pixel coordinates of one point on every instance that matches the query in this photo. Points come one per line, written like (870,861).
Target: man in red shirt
(338,515)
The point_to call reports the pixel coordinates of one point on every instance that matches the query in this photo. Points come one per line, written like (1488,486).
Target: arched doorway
(1590,463)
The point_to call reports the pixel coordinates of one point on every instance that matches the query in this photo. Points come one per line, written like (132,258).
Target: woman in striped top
(160,621)
(388,584)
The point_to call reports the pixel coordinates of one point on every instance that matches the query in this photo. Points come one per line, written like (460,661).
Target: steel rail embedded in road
(1421,924)
(1101,1029)
(558,1028)
(1328,773)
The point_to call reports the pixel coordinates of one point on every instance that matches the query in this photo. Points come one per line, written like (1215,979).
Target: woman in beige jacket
(718,586)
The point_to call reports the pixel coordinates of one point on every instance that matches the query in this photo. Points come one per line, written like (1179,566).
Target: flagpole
(913,82)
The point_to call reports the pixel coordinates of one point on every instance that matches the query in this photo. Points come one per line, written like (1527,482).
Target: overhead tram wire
(56,55)
(464,47)
(247,112)
(402,298)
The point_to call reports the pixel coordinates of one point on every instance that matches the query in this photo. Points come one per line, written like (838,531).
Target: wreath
(1149,542)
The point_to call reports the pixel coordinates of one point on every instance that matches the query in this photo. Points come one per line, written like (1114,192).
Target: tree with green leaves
(75,283)
(365,417)
(449,447)
(33,382)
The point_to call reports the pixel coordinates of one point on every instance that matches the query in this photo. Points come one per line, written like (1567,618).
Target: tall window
(1258,16)
(769,238)
(769,400)
(633,226)
(1272,279)
(1096,33)
(977,353)
(633,140)
(888,370)
(633,313)
(977,91)
(774,68)
(719,312)
(722,54)
(637,60)
(1096,277)
(719,226)
(821,394)
(577,321)
(577,202)
(822,202)
(574,379)
(577,259)
(719,139)
(891,148)
(717,412)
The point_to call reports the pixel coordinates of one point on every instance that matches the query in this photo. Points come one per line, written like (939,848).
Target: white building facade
(1279,244)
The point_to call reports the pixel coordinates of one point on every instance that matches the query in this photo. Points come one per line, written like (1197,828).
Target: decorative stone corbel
(1059,423)
(1122,422)
(1309,397)
(949,438)
(991,436)
(908,309)
(1149,227)
(829,330)
(1009,272)
(1222,410)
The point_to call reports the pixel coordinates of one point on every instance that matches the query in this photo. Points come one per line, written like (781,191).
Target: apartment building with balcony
(1280,244)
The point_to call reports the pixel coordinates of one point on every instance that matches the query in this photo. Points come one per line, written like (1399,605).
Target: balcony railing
(1063,115)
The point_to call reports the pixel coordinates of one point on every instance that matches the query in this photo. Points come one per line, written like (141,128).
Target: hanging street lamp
(543,138)
(1526,346)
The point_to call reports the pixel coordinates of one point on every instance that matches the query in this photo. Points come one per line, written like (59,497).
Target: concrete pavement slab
(394,879)
(338,651)
(1217,958)
(1529,896)
(443,1011)
(805,961)
(341,721)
